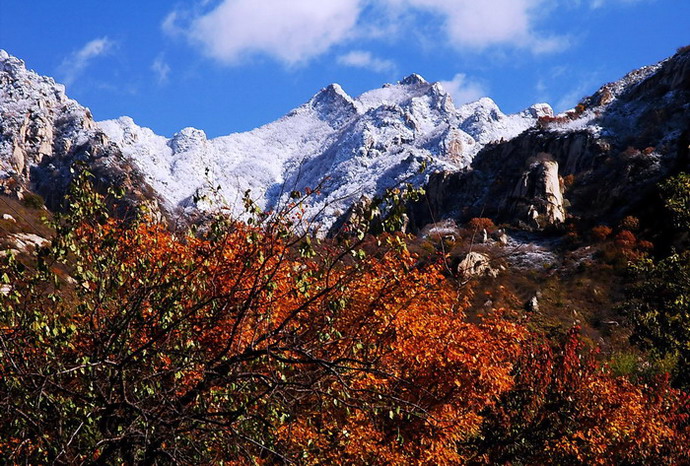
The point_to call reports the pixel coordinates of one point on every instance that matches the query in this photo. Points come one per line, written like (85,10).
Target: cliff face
(43,134)
(611,152)
(537,200)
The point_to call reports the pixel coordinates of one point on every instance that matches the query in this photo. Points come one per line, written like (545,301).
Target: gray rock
(476,264)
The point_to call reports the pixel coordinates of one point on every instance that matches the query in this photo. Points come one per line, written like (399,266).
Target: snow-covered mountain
(348,147)
(351,147)
(595,163)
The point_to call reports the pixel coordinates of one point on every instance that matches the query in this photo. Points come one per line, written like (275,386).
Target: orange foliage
(253,345)
(625,239)
(565,410)
(481,223)
(601,233)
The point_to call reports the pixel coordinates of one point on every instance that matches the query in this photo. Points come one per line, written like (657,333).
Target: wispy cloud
(161,69)
(464,89)
(365,60)
(75,64)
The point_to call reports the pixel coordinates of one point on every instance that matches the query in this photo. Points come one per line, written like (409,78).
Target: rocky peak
(333,104)
(400,132)
(539,110)
(413,80)
(187,139)
(37,120)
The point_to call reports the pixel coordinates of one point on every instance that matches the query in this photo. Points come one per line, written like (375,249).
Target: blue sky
(231,65)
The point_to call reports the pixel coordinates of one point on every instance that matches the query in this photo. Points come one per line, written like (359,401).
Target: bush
(481,223)
(629,223)
(625,240)
(601,233)
(33,201)
(676,194)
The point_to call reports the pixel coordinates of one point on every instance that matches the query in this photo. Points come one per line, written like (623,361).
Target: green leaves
(676,194)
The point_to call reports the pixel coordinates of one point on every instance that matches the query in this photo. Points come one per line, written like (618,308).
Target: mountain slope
(602,159)
(43,133)
(474,159)
(349,147)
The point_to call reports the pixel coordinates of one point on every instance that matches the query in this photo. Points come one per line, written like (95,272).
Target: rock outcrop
(537,200)
(43,134)
(476,264)
(613,150)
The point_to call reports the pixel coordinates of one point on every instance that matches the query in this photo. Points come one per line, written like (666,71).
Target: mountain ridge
(350,147)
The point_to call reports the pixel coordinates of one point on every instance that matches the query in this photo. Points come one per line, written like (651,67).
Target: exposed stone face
(537,199)
(603,149)
(43,134)
(476,264)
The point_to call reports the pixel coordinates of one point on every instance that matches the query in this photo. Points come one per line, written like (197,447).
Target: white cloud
(161,69)
(296,31)
(363,59)
(290,31)
(477,24)
(463,89)
(75,64)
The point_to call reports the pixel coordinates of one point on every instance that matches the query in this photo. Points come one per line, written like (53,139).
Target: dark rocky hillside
(606,156)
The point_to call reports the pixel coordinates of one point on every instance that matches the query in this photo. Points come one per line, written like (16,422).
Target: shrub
(601,233)
(33,201)
(645,245)
(625,240)
(481,223)
(676,194)
(629,223)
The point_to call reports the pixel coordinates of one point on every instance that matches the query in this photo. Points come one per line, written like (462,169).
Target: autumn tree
(125,343)
(565,408)
(253,342)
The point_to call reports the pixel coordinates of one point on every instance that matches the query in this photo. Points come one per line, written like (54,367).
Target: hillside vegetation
(122,342)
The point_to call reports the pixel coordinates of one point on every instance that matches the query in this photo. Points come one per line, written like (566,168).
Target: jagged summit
(334,105)
(413,80)
(360,145)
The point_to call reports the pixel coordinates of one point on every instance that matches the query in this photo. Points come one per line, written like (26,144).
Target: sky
(232,65)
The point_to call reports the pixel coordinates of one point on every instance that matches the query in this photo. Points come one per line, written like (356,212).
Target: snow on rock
(349,147)
(36,118)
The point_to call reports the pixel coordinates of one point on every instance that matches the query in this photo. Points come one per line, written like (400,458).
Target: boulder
(27,241)
(476,264)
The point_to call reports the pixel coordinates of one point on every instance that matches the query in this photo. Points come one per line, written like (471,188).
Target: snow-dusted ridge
(348,146)
(351,147)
